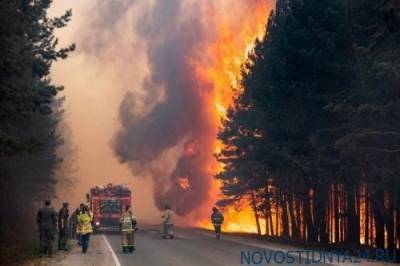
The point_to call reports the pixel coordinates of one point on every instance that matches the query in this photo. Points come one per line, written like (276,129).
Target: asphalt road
(192,247)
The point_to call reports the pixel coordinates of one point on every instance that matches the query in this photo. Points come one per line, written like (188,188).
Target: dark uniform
(63,227)
(217,219)
(73,222)
(47,221)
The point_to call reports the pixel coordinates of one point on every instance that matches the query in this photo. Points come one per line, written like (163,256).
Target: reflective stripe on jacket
(127,222)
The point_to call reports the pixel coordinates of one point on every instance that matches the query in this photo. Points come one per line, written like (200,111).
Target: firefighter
(128,227)
(167,222)
(217,220)
(73,222)
(63,215)
(85,227)
(46,219)
(78,226)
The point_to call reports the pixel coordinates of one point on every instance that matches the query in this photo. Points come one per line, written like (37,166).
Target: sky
(145,91)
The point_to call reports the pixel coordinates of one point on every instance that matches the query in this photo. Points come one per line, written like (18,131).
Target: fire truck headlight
(97,223)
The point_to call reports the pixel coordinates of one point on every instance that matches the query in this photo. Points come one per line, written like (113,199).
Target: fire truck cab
(107,204)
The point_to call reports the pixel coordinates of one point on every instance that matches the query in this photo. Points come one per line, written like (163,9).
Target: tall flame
(235,39)
(195,50)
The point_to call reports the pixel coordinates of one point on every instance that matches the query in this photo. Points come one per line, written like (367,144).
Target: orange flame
(184,182)
(237,219)
(238,29)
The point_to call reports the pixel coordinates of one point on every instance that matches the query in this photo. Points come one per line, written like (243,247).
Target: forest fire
(234,40)
(196,70)
(287,123)
(237,219)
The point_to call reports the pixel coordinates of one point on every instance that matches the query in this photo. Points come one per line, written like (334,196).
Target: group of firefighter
(50,222)
(79,226)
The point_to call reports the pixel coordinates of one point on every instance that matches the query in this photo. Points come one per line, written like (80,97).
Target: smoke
(100,29)
(174,120)
(152,74)
(155,75)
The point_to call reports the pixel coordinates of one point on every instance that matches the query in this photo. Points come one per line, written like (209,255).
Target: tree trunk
(266,215)
(398,219)
(297,203)
(285,217)
(353,230)
(271,225)
(390,222)
(320,209)
(269,229)
(277,218)
(256,216)
(304,226)
(311,237)
(371,222)
(378,204)
(336,212)
(366,218)
(293,222)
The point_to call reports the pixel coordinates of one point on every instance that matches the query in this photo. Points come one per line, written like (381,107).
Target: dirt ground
(97,255)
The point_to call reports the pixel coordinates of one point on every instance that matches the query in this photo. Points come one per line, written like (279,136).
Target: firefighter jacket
(127,222)
(167,217)
(85,223)
(217,218)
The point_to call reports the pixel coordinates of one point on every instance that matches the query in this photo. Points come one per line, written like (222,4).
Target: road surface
(191,247)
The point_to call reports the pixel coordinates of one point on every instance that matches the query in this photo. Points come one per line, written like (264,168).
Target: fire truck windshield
(110,206)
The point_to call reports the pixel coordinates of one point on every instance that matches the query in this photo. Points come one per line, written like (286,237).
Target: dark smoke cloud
(174,35)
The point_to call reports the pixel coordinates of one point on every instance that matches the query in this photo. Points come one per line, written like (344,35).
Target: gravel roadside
(98,255)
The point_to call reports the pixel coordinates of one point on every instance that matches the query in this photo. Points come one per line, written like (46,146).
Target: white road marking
(116,261)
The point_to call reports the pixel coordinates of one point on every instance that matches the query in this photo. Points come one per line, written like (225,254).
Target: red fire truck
(107,204)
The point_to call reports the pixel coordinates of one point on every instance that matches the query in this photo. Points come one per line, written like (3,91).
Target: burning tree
(314,135)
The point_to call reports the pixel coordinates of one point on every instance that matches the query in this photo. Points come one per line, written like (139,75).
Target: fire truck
(107,204)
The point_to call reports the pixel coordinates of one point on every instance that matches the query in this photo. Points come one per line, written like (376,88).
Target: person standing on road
(128,226)
(85,228)
(217,220)
(47,223)
(78,226)
(63,227)
(168,222)
(73,223)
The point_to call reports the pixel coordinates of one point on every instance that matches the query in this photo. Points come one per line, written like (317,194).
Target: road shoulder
(259,244)
(98,255)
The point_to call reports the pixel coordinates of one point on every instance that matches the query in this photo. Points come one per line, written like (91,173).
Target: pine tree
(373,127)
(315,133)
(29,113)
(27,51)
